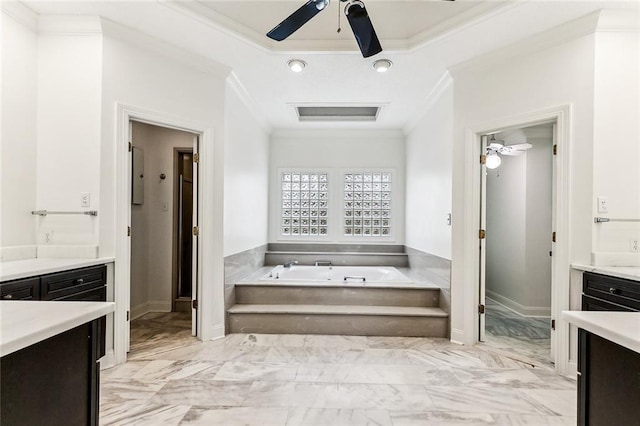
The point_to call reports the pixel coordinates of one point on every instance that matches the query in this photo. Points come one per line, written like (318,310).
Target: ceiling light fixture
(382,65)
(296,65)
(493,160)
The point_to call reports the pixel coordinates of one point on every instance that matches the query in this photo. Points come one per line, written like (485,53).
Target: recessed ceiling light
(296,65)
(382,65)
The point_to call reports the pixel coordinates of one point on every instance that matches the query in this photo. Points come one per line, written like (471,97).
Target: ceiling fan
(356,14)
(495,147)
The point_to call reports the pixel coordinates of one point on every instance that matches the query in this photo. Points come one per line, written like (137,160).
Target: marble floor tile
(143,414)
(377,374)
(559,402)
(337,417)
(203,393)
(483,400)
(236,416)
(499,377)
(115,391)
(424,418)
(533,420)
(176,370)
(250,371)
(258,379)
(347,396)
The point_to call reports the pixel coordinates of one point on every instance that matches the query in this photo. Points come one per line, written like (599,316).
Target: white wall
(19,131)
(156,80)
(501,89)
(428,178)
(246,180)
(151,224)
(69,112)
(616,158)
(337,151)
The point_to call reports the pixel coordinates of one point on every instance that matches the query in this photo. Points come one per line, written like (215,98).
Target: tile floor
(253,379)
(528,337)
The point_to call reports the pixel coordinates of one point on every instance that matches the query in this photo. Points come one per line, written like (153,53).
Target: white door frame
(122,276)
(560,263)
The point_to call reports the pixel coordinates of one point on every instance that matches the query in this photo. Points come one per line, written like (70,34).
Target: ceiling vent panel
(337,113)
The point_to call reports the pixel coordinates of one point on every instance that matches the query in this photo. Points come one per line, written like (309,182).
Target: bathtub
(335,275)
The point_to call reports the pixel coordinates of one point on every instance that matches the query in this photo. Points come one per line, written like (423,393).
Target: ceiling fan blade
(297,19)
(516,149)
(362,28)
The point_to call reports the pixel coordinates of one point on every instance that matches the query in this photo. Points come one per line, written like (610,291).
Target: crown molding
(619,20)
(558,35)
(152,44)
(234,83)
(329,134)
(68,25)
(21,13)
(441,86)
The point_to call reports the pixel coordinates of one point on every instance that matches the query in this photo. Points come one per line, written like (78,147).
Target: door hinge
(481,309)
(196,231)
(194,304)
(553,236)
(483,159)
(128,231)
(196,157)
(553,324)
(555,149)
(130,146)
(482,234)
(128,315)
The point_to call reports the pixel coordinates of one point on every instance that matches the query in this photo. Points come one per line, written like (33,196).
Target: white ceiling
(423,39)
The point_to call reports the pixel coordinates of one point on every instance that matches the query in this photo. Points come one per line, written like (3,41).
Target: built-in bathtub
(348,275)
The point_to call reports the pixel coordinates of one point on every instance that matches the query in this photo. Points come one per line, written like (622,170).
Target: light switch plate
(85,199)
(603,205)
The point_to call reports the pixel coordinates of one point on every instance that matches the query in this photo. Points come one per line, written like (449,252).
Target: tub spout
(291,262)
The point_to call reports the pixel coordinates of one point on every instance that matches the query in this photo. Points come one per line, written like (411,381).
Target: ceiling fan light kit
(356,14)
(296,65)
(493,161)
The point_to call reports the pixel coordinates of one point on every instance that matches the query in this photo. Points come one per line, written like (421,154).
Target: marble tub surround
(275,379)
(240,266)
(337,254)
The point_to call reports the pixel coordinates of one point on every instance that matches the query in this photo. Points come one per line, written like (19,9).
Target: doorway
(517,219)
(163,194)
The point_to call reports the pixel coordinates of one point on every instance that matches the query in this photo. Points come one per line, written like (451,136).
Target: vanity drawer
(26,289)
(619,291)
(590,303)
(63,285)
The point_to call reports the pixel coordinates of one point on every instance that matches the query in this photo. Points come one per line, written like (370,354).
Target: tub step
(255,294)
(358,320)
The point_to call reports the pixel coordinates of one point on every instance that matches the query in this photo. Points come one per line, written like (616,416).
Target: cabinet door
(27,289)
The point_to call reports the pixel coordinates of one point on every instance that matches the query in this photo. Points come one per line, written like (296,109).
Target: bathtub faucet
(288,264)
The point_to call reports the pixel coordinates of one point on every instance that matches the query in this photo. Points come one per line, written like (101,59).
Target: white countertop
(23,323)
(17,269)
(627,272)
(622,328)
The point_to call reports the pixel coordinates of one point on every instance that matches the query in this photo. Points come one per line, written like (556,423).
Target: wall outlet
(603,205)
(85,199)
(48,237)
(634,245)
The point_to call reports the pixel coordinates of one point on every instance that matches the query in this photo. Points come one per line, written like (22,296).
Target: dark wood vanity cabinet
(86,284)
(55,381)
(608,374)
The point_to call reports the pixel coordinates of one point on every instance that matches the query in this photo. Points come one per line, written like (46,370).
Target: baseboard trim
(108,360)
(457,336)
(150,306)
(522,310)
(213,333)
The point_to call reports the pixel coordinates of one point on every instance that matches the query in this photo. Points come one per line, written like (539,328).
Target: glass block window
(305,204)
(367,204)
